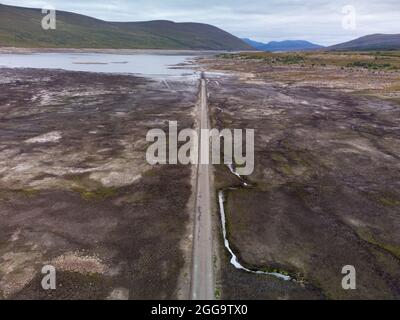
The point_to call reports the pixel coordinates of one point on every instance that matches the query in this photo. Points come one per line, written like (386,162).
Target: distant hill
(254,44)
(288,45)
(21,27)
(371,42)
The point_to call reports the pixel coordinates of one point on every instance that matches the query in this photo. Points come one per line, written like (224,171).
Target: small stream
(233,171)
(234,260)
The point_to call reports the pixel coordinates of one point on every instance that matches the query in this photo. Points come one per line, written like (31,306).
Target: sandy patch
(53,136)
(78,262)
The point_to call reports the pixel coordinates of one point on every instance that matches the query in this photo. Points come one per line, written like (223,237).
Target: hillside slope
(21,27)
(371,42)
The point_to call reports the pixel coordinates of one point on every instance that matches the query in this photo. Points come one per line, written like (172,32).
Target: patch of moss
(282,164)
(373,61)
(150,173)
(89,189)
(29,192)
(227,56)
(367,236)
(387,199)
(3,195)
(294,163)
(389,202)
(274,270)
(217,293)
(97,194)
(369,65)
(395,250)
(94,277)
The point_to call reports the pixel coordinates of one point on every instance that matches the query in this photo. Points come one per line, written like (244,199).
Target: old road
(202,283)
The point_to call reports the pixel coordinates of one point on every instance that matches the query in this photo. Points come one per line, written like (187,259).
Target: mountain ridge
(21,27)
(286,45)
(377,41)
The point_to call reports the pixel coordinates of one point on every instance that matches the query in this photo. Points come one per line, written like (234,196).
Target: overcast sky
(318,21)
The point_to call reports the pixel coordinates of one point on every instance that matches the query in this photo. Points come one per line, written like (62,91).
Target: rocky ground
(77,193)
(325,190)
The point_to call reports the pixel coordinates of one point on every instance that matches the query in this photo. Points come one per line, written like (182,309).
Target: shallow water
(153,65)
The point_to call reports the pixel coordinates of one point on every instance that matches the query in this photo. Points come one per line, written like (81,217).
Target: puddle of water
(152,65)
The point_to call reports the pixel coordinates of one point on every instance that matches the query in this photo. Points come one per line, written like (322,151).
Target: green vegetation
(91,190)
(385,198)
(5,194)
(270,58)
(369,65)
(379,60)
(29,192)
(389,202)
(21,27)
(282,164)
(367,236)
(95,195)
(217,293)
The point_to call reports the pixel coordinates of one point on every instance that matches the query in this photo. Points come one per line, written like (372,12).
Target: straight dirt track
(202,287)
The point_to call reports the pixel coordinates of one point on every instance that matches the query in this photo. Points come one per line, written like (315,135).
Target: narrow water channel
(234,259)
